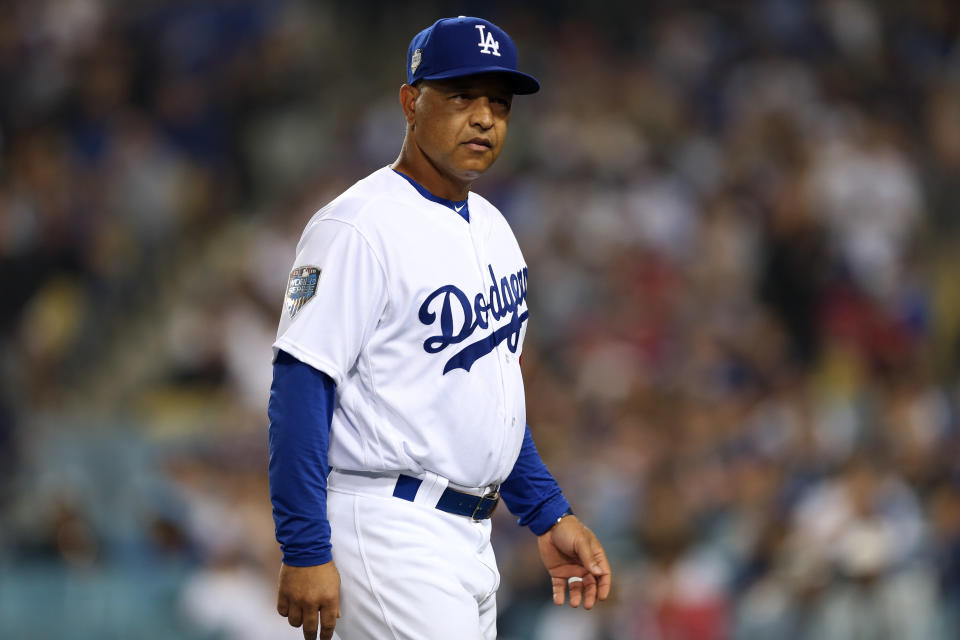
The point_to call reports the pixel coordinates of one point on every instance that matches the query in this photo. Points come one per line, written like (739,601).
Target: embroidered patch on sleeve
(301,287)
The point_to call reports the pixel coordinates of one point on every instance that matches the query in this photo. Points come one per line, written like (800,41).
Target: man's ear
(408,99)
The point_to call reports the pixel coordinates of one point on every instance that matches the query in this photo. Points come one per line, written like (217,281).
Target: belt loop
(431,489)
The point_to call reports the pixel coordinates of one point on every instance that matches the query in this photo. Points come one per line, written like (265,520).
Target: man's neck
(414,163)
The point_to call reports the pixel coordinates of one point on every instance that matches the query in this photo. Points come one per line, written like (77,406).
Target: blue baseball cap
(454,47)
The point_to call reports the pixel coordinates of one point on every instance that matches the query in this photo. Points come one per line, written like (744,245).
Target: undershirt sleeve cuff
(306,559)
(546,516)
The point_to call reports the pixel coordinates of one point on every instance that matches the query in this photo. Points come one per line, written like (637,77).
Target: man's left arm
(570,551)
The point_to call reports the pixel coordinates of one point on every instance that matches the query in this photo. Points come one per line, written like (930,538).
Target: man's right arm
(336,296)
(300,412)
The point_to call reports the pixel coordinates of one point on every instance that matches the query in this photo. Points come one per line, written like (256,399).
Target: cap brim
(520,83)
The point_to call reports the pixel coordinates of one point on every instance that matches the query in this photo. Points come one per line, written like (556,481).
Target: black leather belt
(451,501)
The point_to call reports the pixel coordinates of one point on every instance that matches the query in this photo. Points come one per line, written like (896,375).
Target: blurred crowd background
(742,224)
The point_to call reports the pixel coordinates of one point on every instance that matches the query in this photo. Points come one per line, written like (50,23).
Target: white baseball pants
(409,571)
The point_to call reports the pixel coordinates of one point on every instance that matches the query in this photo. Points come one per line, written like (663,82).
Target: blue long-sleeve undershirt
(530,492)
(300,412)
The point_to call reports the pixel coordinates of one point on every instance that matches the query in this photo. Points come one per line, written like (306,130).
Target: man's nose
(482,113)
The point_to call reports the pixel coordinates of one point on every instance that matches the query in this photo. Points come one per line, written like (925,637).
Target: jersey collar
(457,206)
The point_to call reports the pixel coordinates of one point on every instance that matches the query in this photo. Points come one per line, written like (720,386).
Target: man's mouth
(478,144)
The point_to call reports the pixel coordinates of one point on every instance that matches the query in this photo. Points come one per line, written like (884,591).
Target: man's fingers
(295,615)
(310,621)
(593,557)
(283,605)
(603,576)
(328,620)
(559,590)
(589,591)
(603,586)
(576,591)
(587,552)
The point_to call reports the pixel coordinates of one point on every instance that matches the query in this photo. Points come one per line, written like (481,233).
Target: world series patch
(301,287)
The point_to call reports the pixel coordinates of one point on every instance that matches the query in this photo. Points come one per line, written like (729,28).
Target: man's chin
(473,170)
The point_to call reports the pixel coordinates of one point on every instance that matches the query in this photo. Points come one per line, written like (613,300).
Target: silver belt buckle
(493,496)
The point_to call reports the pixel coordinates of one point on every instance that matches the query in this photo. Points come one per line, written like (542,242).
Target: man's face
(460,124)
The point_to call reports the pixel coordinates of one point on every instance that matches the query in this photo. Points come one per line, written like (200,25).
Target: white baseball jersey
(419,317)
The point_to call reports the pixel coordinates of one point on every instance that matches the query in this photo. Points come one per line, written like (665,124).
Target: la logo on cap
(445,50)
(488,45)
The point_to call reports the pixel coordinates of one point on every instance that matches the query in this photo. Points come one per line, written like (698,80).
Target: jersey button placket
(480,255)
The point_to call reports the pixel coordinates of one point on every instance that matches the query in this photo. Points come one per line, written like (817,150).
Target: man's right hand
(308,595)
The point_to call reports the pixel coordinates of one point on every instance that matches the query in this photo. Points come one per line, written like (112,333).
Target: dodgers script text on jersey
(504,300)
(449,331)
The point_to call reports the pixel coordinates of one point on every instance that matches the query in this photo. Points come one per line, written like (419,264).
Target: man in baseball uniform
(397,417)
